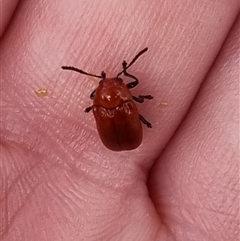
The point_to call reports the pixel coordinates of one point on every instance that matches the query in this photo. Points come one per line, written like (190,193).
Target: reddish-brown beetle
(117,118)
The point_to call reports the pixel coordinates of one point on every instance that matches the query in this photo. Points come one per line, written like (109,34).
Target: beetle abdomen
(119,128)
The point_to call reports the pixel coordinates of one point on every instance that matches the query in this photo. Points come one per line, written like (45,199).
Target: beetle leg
(144,121)
(92,96)
(141,98)
(88,109)
(131,84)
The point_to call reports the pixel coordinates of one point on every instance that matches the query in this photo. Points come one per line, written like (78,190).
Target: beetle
(116,115)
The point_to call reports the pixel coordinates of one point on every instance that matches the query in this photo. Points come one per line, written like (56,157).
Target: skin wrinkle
(7,11)
(219,142)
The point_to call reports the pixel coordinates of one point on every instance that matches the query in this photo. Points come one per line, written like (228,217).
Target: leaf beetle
(116,115)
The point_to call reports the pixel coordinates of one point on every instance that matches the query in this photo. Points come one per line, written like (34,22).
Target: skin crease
(60,183)
(7,10)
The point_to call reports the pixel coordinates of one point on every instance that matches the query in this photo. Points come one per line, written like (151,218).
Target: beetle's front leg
(92,96)
(141,98)
(131,84)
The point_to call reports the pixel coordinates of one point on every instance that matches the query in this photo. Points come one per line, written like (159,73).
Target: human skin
(58,180)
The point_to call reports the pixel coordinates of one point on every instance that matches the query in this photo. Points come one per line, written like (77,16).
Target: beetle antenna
(133,61)
(81,71)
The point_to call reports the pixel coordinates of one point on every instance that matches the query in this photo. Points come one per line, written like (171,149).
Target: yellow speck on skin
(42,92)
(163,104)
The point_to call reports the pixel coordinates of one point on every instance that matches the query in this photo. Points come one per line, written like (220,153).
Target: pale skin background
(59,182)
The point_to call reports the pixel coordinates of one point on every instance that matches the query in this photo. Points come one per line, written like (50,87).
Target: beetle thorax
(111,93)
